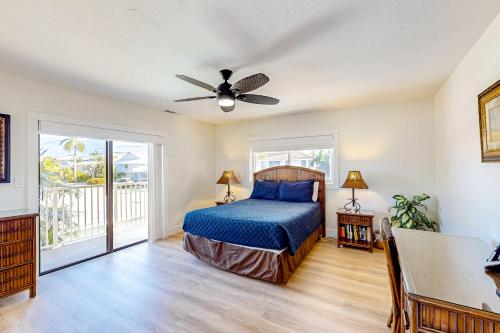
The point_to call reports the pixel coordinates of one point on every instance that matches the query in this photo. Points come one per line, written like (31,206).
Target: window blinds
(83,131)
(292,143)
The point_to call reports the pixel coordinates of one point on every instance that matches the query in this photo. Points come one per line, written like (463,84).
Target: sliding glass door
(93,198)
(73,219)
(130,193)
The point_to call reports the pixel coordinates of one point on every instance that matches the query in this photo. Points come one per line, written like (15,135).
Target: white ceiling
(318,54)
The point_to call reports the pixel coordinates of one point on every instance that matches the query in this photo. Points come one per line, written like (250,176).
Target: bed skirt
(276,267)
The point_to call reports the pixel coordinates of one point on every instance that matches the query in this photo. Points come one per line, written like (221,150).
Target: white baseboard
(174,230)
(331,232)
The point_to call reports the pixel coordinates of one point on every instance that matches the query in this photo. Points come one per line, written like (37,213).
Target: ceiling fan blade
(227,108)
(258,99)
(196,82)
(250,83)
(193,99)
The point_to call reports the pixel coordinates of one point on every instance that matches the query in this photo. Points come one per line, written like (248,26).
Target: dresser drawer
(358,220)
(365,220)
(16,278)
(16,230)
(343,219)
(15,254)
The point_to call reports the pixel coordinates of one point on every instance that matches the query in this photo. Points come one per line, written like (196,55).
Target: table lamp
(228,178)
(354,181)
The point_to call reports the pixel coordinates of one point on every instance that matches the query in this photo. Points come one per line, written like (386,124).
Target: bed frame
(272,266)
(293,174)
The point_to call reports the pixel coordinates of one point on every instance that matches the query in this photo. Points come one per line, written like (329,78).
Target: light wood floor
(160,288)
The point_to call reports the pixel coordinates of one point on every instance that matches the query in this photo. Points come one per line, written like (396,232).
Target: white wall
(190,145)
(412,147)
(468,191)
(391,144)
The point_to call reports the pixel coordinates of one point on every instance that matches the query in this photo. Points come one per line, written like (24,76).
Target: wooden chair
(394,271)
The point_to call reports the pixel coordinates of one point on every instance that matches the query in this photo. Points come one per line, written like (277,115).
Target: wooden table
(444,286)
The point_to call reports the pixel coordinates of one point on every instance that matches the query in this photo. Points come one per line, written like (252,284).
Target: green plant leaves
(407,214)
(421,197)
(399,197)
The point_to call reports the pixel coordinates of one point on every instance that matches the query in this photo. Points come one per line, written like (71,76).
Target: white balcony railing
(77,212)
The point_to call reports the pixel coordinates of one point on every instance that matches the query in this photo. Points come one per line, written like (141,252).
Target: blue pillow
(265,189)
(300,191)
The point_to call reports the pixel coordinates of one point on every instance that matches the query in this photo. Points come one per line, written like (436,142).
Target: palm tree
(319,158)
(73,145)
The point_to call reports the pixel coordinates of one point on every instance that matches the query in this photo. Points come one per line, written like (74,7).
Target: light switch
(19,181)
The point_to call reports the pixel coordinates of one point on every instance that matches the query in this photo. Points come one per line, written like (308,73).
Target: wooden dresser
(444,286)
(17,252)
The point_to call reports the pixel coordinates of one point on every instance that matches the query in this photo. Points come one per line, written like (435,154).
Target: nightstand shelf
(362,223)
(355,243)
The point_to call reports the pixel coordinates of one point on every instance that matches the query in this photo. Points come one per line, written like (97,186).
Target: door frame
(157,219)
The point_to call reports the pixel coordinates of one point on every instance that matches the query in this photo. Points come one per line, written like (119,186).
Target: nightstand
(220,203)
(355,229)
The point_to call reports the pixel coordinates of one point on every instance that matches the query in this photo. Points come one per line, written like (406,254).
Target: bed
(263,239)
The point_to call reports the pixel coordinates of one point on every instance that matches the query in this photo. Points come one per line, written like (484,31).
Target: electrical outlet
(19,181)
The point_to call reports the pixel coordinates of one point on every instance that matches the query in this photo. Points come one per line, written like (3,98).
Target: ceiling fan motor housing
(225,88)
(225,97)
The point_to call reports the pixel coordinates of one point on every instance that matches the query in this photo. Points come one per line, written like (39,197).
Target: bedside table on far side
(220,203)
(355,229)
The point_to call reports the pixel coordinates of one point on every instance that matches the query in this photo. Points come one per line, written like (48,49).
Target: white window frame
(334,183)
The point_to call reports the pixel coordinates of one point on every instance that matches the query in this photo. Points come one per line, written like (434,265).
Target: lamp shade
(228,177)
(354,180)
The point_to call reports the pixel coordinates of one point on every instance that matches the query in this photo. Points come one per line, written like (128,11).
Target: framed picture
(489,123)
(4,148)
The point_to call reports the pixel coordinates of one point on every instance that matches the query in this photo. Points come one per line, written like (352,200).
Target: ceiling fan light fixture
(225,100)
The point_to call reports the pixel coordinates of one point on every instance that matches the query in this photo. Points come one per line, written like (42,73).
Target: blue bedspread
(269,224)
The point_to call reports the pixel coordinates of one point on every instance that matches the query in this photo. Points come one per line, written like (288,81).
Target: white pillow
(315,191)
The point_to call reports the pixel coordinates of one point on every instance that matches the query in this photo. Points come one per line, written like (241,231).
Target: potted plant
(408,213)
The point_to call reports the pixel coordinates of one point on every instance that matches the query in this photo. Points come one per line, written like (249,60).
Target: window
(264,160)
(314,152)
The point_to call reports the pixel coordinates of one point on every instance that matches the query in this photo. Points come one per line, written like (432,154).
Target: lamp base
(229,197)
(352,206)
(353,203)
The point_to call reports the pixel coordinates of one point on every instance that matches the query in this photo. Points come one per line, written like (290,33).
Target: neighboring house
(267,160)
(133,166)
(65,161)
(83,162)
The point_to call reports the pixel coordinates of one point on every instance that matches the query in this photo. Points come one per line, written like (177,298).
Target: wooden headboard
(292,174)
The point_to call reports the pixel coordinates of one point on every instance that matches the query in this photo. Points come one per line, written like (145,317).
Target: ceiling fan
(227,93)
